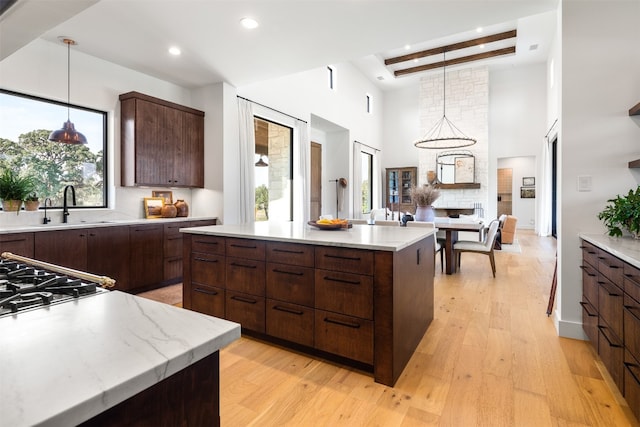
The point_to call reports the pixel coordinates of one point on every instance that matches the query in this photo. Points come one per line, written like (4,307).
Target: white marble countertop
(375,237)
(67,363)
(625,248)
(93,224)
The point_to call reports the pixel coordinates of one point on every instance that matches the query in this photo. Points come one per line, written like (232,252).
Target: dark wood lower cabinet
(17,244)
(290,322)
(146,256)
(248,310)
(67,248)
(632,383)
(189,398)
(345,336)
(208,300)
(108,254)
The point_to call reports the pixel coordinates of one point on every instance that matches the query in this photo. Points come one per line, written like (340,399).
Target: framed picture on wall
(153,207)
(528,181)
(527,193)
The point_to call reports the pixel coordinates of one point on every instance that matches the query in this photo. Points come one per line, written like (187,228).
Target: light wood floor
(491,357)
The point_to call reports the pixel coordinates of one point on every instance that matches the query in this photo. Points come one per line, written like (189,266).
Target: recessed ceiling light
(407,46)
(415,59)
(479,30)
(481,46)
(173,50)
(249,23)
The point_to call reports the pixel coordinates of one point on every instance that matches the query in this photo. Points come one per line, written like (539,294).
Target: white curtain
(301,172)
(545,190)
(357,180)
(247,147)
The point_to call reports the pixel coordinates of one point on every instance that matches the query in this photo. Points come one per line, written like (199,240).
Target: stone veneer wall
(467,107)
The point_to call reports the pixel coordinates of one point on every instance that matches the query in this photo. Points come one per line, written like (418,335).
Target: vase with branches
(423,197)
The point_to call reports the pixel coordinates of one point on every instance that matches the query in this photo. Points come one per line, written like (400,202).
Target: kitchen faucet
(46,219)
(65,208)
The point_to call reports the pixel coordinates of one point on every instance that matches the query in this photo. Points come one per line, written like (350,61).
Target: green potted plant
(31,202)
(623,214)
(14,189)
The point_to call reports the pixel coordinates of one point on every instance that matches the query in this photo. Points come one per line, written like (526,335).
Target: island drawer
(246,248)
(632,326)
(344,293)
(208,300)
(290,283)
(632,281)
(610,305)
(207,244)
(632,383)
(611,352)
(590,253)
(290,322)
(345,336)
(357,261)
(290,253)
(611,267)
(245,275)
(590,323)
(590,284)
(248,310)
(207,269)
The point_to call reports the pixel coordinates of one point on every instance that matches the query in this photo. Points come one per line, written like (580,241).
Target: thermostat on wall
(584,183)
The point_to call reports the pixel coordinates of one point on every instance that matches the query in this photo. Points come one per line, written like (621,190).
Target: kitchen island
(362,296)
(111,359)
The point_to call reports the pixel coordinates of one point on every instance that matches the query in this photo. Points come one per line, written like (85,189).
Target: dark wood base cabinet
(363,307)
(189,398)
(611,317)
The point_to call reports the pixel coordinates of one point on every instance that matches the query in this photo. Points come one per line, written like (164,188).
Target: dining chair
(439,247)
(386,222)
(485,247)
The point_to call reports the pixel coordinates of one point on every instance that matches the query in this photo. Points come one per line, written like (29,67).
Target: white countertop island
(626,248)
(374,237)
(65,364)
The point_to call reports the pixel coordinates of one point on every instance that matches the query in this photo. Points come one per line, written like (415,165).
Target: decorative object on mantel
(623,213)
(182,208)
(444,134)
(423,197)
(68,134)
(456,167)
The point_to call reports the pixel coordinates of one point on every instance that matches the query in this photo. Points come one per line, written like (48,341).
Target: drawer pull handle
(175,238)
(353,325)
(287,251)
(237,264)
(205,260)
(592,252)
(247,300)
(350,282)
(584,267)
(631,367)
(613,266)
(235,245)
(350,258)
(602,328)
(584,306)
(293,273)
(13,241)
(205,291)
(205,242)
(288,310)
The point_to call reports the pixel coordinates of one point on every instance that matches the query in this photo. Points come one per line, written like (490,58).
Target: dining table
(451,227)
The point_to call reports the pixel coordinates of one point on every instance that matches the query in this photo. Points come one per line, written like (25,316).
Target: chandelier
(444,134)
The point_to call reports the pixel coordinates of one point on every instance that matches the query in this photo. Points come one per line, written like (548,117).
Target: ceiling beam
(455,46)
(461,60)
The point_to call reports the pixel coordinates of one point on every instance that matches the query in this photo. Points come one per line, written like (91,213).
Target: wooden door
(316,181)
(192,172)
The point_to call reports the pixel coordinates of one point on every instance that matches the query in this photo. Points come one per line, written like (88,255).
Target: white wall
(600,82)
(401,126)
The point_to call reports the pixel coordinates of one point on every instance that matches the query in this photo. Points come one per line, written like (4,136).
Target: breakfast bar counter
(362,296)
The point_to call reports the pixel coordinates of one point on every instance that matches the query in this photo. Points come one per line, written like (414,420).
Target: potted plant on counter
(14,189)
(31,203)
(623,214)
(423,197)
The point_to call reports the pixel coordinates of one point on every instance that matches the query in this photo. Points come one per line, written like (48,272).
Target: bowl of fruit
(330,224)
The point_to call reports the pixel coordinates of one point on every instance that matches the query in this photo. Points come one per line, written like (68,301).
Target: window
(25,124)
(331,75)
(367,180)
(273,171)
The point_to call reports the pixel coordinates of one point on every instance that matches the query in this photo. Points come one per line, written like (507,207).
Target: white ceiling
(293,36)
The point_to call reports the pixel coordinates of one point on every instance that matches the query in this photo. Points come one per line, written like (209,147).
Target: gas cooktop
(26,285)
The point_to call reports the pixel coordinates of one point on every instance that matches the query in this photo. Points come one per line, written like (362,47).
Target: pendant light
(68,134)
(261,163)
(444,134)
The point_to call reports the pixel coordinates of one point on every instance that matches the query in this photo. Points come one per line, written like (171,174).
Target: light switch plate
(585,183)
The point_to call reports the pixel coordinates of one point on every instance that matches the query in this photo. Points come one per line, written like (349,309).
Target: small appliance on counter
(28,284)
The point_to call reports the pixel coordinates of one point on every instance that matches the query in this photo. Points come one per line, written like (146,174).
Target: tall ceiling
(292,36)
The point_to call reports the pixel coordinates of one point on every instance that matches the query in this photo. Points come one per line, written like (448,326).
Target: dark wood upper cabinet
(162,142)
